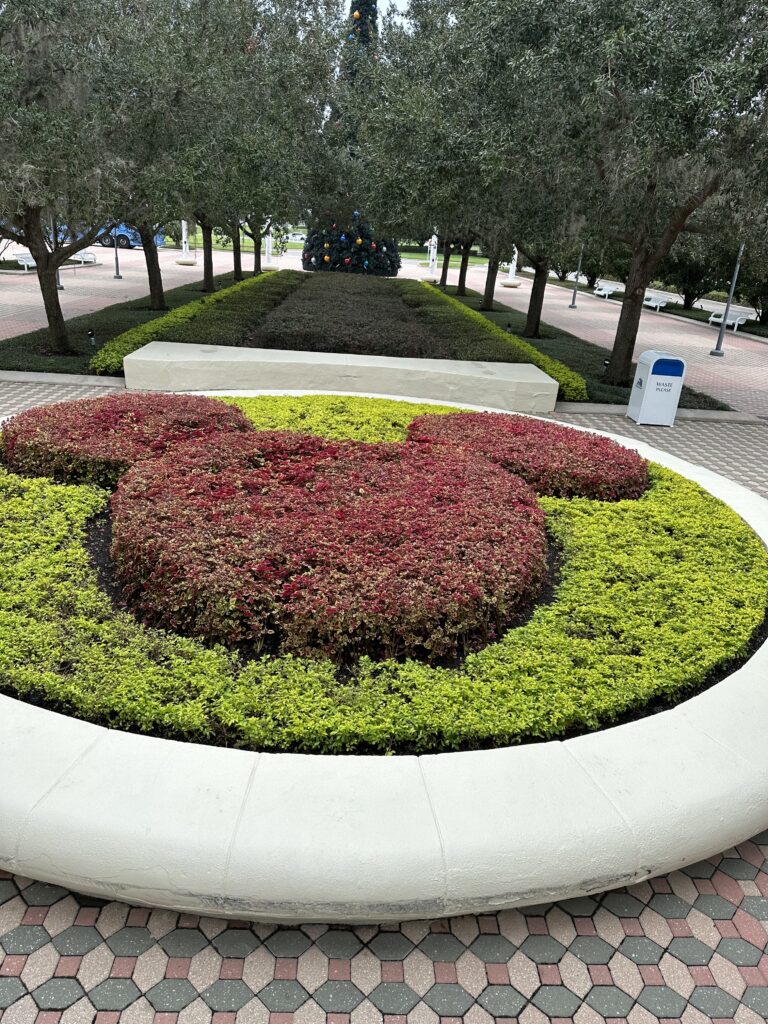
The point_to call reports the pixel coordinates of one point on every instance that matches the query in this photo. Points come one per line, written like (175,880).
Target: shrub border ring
(297,838)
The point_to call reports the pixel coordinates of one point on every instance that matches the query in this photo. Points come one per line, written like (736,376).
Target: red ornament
(373,247)
(347,261)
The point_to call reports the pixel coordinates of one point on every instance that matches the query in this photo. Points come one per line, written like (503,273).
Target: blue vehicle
(127,237)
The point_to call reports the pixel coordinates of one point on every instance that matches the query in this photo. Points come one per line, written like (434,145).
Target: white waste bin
(656,389)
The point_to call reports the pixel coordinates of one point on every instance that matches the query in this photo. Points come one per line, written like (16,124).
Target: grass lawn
(32,351)
(581,356)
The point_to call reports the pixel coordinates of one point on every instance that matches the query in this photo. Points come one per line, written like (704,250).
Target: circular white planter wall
(287,837)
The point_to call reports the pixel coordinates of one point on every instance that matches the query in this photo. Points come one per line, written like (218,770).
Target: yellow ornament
(327,259)
(327,245)
(356,15)
(358,241)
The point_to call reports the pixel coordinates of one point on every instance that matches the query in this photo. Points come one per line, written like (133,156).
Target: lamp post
(718,349)
(118,275)
(578,275)
(184,240)
(513,264)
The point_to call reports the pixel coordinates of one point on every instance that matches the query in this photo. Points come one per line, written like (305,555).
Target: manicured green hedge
(471,330)
(654,595)
(223,318)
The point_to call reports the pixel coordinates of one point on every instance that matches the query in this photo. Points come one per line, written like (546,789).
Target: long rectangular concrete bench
(169,366)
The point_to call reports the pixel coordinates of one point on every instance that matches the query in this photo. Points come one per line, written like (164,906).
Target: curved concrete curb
(287,837)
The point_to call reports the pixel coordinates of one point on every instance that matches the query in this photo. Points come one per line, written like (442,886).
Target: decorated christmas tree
(342,240)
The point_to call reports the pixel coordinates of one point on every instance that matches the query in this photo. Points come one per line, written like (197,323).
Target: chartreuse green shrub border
(654,595)
(256,295)
(434,304)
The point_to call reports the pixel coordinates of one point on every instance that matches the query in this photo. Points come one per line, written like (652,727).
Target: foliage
(96,440)
(283,542)
(224,318)
(555,460)
(350,249)
(582,661)
(696,265)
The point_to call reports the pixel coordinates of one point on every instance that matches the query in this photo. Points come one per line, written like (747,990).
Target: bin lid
(661,364)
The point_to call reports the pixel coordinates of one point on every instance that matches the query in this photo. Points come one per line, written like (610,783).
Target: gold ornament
(358,241)
(327,259)
(356,15)
(327,245)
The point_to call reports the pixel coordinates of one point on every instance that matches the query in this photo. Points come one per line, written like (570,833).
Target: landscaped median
(344,314)
(652,594)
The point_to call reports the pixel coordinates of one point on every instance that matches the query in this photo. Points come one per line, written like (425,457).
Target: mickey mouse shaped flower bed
(338,574)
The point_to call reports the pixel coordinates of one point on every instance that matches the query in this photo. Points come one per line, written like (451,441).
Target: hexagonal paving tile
(502,1001)
(41,894)
(493,949)
(7,890)
(442,948)
(579,906)
(739,952)
(449,1000)
(556,1001)
(738,868)
(661,1001)
(641,950)
(77,940)
(623,904)
(701,869)
(235,942)
(183,942)
(130,941)
(24,939)
(287,942)
(609,1001)
(756,906)
(715,1002)
(339,944)
(591,949)
(58,993)
(543,949)
(171,995)
(338,996)
(669,905)
(692,952)
(114,994)
(716,907)
(393,997)
(756,999)
(390,946)
(231,996)
(283,996)
(11,991)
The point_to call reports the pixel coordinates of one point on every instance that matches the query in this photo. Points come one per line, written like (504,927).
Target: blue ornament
(351,35)
(342,238)
(366,264)
(356,214)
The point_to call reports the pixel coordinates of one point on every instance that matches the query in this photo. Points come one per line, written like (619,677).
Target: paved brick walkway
(690,947)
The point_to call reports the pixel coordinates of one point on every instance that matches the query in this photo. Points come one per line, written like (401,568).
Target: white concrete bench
(733,321)
(654,302)
(26,260)
(604,291)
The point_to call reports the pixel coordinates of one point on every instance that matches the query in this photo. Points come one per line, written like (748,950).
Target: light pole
(118,275)
(718,349)
(578,275)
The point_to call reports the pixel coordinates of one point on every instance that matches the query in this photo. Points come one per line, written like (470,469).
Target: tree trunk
(688,300)
(490,283)
(57,327)
(156,293)
(592,279)
(465,251)
(620,364)
(206,227)
(536,302)
(446,264)
(254,233)
(763,316)
(237,258)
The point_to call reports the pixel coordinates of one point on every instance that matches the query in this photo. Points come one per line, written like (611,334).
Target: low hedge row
(480,338)
(223,318)
(556,461)
(285,542)
(94,441)
(655,594)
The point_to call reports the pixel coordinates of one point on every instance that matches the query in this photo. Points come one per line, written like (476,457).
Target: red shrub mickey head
(285,541)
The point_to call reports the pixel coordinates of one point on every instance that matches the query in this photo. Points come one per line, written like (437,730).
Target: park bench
(733,321)
(86,256)
(26,260)
(654,302)
(604,291)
